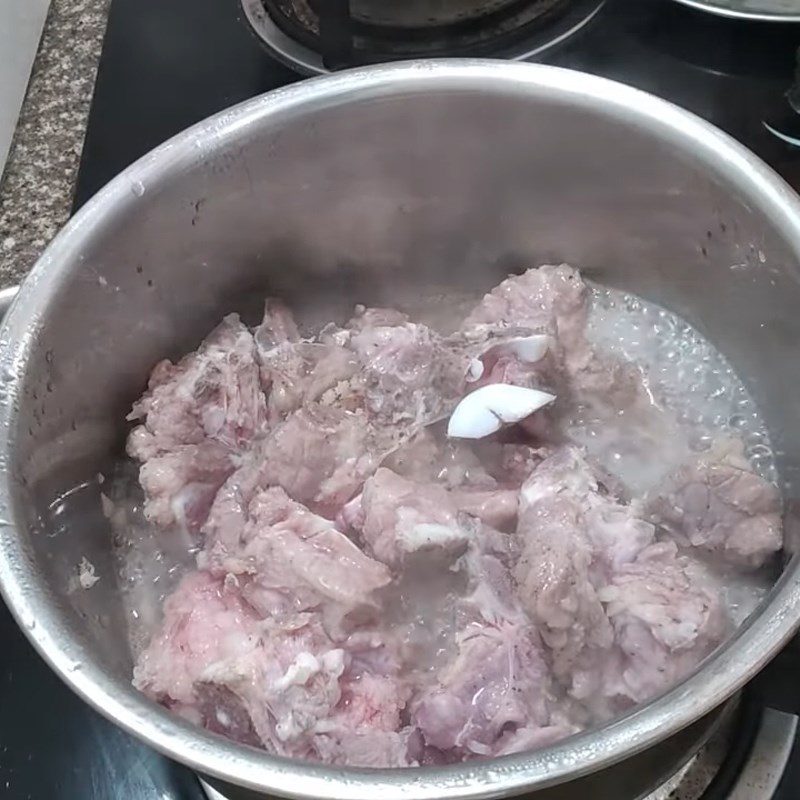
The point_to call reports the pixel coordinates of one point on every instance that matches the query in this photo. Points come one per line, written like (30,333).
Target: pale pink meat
(719,505)
(296,560)
(320,455)
(430,457)
(490,692)
(370,593)
(495,694)
(400,517)
(410,377)
(376,318)
(180,485)
(549,299)
(282,684)
(396,516)
(277,326)
(197,416)
(666,620)
(496,507)
(213,393)
(610,604)
(554,300)
(296,373)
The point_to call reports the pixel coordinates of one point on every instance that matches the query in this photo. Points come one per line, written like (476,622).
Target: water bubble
(137,187)
(760,450)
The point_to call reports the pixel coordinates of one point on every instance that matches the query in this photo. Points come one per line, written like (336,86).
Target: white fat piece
(487,409)
(529,349)
(475,371)
(303,668)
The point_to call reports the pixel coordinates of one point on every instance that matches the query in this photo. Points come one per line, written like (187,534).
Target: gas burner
(318,36)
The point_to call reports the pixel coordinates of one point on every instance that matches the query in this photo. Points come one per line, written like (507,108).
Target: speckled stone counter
(36,189)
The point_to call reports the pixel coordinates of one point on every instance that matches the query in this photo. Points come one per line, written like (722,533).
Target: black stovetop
(167,64)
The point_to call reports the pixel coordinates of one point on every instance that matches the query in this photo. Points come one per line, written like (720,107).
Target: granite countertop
(39,180)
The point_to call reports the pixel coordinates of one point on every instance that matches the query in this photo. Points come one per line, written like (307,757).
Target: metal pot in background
(756,10)
(390,185)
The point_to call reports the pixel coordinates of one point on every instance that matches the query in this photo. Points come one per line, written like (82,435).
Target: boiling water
(693,398)
(150,561)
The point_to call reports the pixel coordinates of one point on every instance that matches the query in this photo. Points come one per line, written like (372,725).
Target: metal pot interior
(400,185)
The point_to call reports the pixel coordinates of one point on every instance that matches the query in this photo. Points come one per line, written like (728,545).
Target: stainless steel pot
(395,184)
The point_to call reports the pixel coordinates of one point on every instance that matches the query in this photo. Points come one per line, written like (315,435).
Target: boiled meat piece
(399,517)
(320,455)
(666,620)
(410,377)
(296,559)
(396,516)
(281,683)
(549,299)
(366,747)
(323,451)
(193,412)
(512,464)
(489,596)
(554,300)
(429,457)
(205,623)
(496,507)
(622,617)
(295,371)
(492,694)
(573,538)
(277,327)
(406,375)
(719,505)
(366,729)
(180,485)
(376,318)
(213,393)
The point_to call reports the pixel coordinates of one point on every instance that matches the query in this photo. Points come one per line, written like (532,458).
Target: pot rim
(27,595)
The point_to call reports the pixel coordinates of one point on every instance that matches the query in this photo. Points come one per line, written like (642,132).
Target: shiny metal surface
(772,748)
(309,62)
(379,185)
(758,780)
(759,10)
(634,778)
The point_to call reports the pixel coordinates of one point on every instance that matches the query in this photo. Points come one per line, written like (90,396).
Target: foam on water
(694,395)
